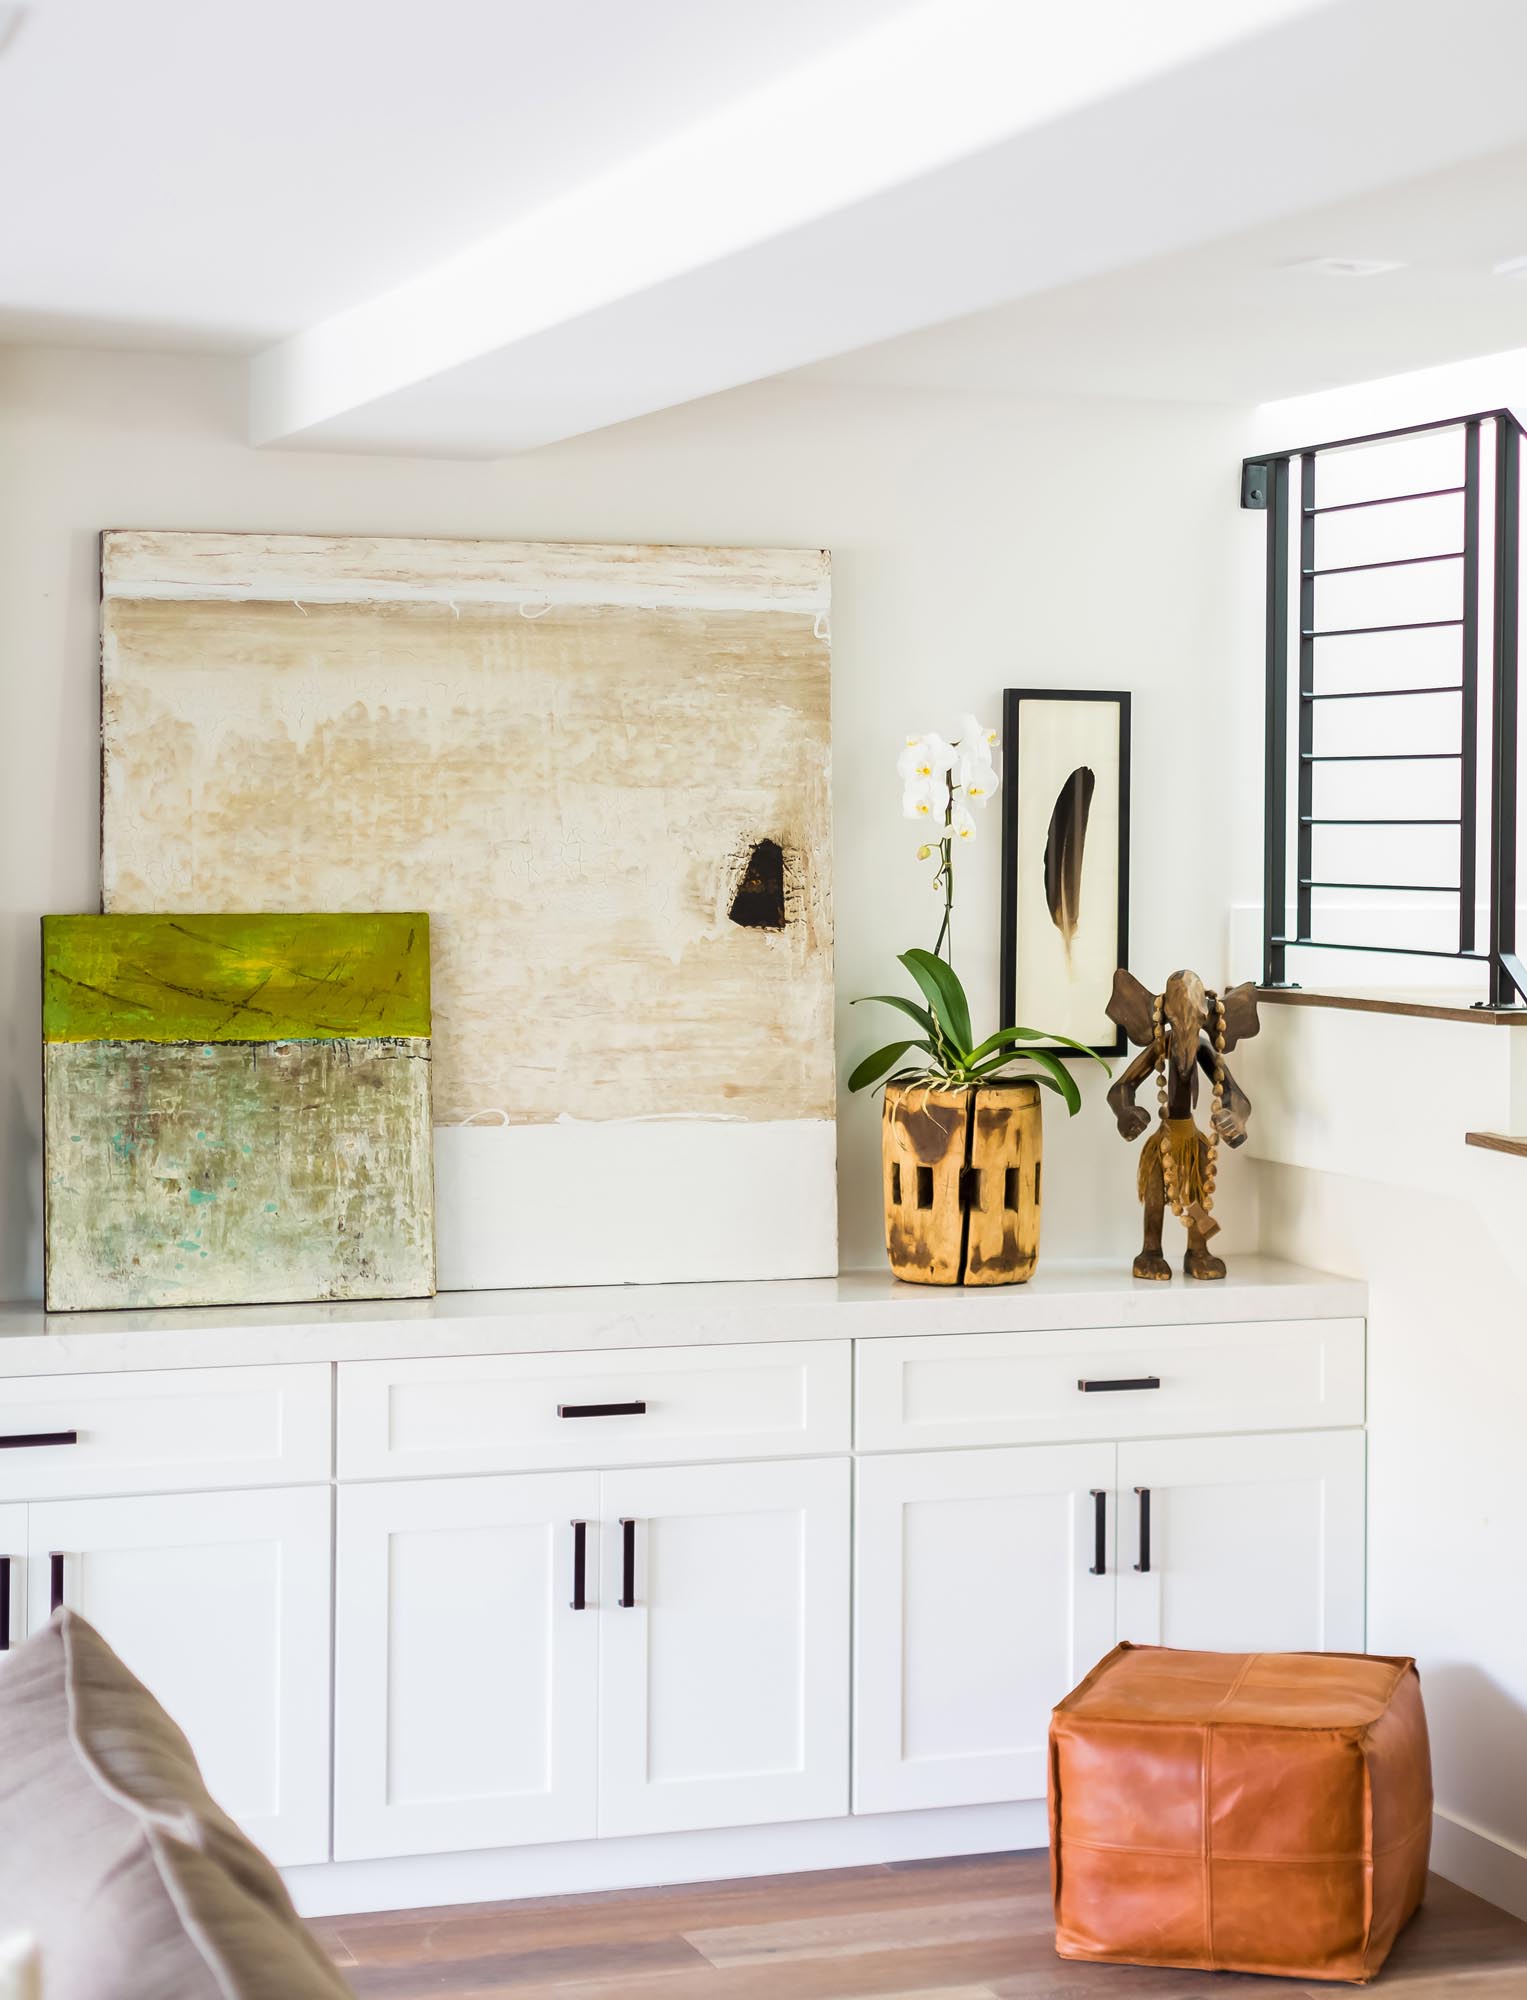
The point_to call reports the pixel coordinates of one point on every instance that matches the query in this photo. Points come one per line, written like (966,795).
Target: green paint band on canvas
(244,978)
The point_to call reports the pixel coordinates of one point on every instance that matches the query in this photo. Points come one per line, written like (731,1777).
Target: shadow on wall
(20,1146)
(1479,1734)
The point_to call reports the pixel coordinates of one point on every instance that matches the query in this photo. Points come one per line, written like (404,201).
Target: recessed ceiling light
(1347,267)
(1510,267)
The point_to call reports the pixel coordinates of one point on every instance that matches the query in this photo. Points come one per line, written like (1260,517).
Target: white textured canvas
(574,759)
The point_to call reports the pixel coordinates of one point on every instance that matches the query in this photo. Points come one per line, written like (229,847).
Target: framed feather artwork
(1065,859)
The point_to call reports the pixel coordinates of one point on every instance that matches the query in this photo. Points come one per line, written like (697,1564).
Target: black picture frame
(1013,700)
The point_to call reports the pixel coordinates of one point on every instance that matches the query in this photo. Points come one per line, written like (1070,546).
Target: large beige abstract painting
(603,771)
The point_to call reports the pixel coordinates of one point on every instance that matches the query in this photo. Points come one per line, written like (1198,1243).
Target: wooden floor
(975,1929)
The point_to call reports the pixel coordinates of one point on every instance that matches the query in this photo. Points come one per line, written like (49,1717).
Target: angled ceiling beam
(964,153)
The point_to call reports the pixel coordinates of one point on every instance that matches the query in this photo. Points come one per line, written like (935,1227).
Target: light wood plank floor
(971,1929)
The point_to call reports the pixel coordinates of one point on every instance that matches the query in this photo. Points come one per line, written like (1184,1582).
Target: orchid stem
(945,930)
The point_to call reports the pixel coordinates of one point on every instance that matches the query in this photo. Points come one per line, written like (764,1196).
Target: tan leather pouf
(1239,1812)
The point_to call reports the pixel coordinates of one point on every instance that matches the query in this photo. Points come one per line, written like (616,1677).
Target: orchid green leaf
(940,983)
(873,1066)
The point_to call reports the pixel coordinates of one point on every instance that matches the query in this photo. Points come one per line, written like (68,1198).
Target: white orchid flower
(972,737)
(919,800)
(925,757)
(962,823)
(977,776)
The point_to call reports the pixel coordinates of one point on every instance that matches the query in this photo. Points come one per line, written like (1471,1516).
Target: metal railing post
(1275,825)
(1506,974)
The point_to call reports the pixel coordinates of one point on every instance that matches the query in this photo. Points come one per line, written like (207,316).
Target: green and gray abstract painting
(236,1109)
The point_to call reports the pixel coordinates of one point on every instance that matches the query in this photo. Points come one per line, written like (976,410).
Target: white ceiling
(480,225)
(222,173)
(1244,319)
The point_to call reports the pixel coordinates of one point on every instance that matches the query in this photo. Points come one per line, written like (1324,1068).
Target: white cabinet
(552,1412)
(977,1608)
(13,1562)
(465,1678)
(703,1681)
(1255,1543)
(550,1596)
(174,1430)
(219,1602)
(968,1389)
(981,1597)
(723,1683)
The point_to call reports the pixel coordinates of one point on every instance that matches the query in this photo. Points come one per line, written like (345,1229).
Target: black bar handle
(1099,1532)
(55,1579)
(1144,1564)
(26,1440)
(601,1409)
(580,1565)
(1120,1382)
(5,1604)
(627,1564)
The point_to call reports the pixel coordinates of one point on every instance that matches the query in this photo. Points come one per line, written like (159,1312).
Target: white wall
(1363,1170)
(978,542)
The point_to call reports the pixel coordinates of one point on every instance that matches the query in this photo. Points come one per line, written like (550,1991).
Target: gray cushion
(112,1852)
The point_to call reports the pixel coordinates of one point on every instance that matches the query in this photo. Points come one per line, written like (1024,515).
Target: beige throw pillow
(134,1884)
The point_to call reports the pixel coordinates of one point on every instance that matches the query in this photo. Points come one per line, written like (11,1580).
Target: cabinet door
(1256,1543)
(724,1684)
(13,1563)
(976,1609)
(219,1603)
(465,1680)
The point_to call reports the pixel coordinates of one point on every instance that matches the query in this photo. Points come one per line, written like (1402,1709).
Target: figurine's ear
(1241,1018)
(1132,1008)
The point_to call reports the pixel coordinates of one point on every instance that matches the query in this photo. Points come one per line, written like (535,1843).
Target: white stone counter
(858,1305)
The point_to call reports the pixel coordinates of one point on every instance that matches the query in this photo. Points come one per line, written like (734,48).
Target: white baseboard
(1480,1862)
(507,1874)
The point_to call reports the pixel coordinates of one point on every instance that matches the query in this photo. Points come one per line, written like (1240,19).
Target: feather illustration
(1063,853)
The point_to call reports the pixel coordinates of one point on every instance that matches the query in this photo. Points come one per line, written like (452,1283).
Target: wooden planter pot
(961,1170)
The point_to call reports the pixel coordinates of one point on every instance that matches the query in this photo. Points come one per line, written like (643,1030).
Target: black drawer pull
(25,1440)
(55,1579)
(627,1564)
(5,1604)
(1099,1532)
(1143,1565)
(1120,1382)
(580,1565)
(601,1409)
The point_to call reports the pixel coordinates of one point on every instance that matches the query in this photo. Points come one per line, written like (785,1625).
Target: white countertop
(858,1305)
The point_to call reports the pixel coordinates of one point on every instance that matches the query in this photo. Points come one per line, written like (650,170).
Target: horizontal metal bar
(1385,500)
(1399,431)
(1320,821)
(1363,631)
(1383,694)
(1389,950)
(1398,888)
(1382,757)
(1394,562)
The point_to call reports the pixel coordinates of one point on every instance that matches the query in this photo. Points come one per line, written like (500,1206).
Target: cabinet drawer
(171,1432)
(1026,1388)
(538,1412)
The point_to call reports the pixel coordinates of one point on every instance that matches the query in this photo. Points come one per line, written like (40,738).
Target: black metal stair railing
(1267,483)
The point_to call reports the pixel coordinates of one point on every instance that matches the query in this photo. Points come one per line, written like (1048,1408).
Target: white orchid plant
(939,782)
(942,778)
